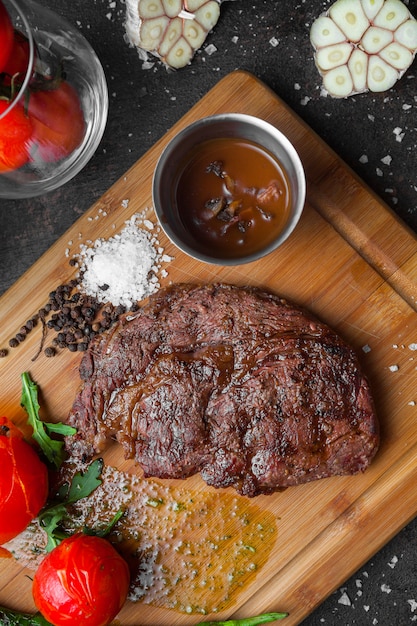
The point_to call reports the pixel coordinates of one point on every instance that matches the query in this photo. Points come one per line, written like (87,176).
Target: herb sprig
(14,618)
(248,621)
(81,486)
(53,449)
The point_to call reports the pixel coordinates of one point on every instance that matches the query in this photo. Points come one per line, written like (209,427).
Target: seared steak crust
(235,383)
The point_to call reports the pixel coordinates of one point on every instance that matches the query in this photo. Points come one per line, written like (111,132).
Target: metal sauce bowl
(238,126)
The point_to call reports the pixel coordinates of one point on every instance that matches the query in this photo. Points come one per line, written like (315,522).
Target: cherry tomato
(15,131)
(83,581)
(23,481)
(6,36)
(58,122)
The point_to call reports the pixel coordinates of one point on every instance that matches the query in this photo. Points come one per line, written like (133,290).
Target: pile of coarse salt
(123,269)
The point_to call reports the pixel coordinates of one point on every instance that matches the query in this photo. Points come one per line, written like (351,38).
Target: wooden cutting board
(351,262)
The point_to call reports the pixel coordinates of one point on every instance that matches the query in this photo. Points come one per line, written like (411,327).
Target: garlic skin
(363,45)
(172,30)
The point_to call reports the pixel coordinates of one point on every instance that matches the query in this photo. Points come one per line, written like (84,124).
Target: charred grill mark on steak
(235,383)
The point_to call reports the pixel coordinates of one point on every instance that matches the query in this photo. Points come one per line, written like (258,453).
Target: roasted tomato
(58,122)
(23,481)
(83,581)
(6,36)
(15,132)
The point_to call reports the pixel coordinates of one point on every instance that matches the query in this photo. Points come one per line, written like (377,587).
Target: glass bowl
(60,88)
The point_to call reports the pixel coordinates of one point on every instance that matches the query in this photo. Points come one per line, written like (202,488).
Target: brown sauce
(188,549)
(232,196)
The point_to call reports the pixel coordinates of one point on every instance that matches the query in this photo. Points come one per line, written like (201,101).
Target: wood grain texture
(352,263)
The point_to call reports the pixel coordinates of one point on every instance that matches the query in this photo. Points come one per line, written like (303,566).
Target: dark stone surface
(144,103)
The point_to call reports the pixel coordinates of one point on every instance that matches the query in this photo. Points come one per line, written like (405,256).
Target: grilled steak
(235,383)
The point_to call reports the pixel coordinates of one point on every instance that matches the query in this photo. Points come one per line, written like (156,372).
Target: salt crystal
(393,562)
(393,368)
(211,49)
(385,588)
(274,42)
(412,346)
(344,599)
(121,270)
(386,160)
(363,159)
(366,348)
(413,605)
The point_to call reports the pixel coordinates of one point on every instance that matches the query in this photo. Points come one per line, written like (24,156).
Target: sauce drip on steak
(235,383)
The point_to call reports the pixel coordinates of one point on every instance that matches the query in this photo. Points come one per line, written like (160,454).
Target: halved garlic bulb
(172,30)
(363,45)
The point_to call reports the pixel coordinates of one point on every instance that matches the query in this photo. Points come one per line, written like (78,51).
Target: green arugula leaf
(248,621)
(82,485)
(51,448)
(14,618)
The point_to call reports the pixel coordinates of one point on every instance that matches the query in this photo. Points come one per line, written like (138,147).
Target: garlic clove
(333,56)
(338,82)
(172,7)
(381,76)
(350,18)
(171,36)
(397,55)
(324,32)
(406,35)
(193,5)
(150,8)
(358,67)
(392,14)
(371,8)
(375,39)
(152,32)
(180,54)
(208,14)
(194,33)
